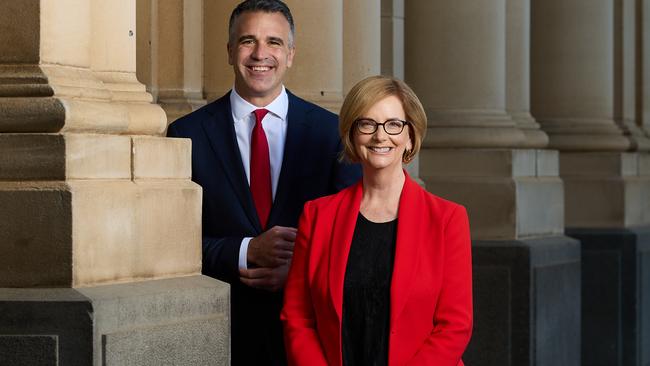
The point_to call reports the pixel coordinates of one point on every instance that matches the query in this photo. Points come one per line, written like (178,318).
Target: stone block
(477,162)
(35,234)
(45,327)
(19,41)
(490,202)
(540,206)
(32,157)
(527,303)
(173,344)
(598,164)
(615,296)
(600,202)
(59,157)
(159,157)
(548,163)
(644,164)
(505,208)
(179,321)
(33,350)
(126,230)
(97,156)
(93,231)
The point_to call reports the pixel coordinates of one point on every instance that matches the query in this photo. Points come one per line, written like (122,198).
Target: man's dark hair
(267,6)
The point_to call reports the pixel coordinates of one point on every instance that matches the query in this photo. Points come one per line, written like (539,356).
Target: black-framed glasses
(369,126)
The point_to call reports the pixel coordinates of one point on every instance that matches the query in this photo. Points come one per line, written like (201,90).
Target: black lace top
(366,293)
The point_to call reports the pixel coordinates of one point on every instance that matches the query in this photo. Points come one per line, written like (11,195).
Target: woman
(381,272)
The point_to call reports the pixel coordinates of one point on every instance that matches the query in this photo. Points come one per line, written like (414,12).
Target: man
(260,153)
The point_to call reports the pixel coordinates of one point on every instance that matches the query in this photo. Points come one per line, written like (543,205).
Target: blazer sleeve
(221,258)
(298,317)
(220,255)
(452,321)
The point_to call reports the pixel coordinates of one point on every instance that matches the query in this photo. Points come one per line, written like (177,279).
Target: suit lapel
(410,229)
(342,231)
(221,132)
(297,128)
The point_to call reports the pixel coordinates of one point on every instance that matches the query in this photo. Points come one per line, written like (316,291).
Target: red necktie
(261,169)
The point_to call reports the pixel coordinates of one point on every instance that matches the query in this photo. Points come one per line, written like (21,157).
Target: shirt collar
(241,108)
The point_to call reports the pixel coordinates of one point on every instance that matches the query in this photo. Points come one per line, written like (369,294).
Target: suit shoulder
(190,122)
(315,111)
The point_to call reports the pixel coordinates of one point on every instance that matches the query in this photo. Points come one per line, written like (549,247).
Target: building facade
(539,123)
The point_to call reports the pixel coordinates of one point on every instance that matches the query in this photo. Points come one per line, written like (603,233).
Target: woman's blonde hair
(367,93)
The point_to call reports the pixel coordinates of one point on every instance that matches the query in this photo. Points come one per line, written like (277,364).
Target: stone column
(584,77)
(461,84)
(170,53)
(100,250)
(643,57)
(518,72)
(467,61)
(217,74)
(572,73)
(392,55)
(392,38)
(317,72)
(625,73)
(361,41)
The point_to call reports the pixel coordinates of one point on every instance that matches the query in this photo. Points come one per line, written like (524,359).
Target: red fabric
(261,169)
(431,288)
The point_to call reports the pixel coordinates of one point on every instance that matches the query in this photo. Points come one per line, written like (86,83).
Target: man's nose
(259,51)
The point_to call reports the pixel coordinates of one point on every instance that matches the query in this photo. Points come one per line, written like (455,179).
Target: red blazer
(431,288)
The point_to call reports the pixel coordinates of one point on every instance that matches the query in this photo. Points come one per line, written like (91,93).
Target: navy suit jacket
(310,169)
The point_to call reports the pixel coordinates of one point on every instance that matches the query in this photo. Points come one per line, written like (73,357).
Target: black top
(366,293)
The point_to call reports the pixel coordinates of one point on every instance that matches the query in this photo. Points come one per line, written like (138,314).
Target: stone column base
(508,193)
(615,296)
(179,321)
(526,303)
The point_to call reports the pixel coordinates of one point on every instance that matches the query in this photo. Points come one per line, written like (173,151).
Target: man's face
(260,54)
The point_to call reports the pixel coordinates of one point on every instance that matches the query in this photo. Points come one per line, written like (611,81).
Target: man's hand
(272,248)
(270,279)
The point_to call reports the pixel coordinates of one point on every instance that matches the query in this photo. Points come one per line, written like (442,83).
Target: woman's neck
(381,192)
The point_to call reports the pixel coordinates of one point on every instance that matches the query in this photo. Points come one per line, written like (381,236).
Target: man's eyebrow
(276,39)
(245,37)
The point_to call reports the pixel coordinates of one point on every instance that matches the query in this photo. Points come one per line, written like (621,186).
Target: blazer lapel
(342,231)
(409,237)
(297,127)
(223,140)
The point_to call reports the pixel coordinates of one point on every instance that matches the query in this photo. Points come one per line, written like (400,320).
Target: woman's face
(380,150)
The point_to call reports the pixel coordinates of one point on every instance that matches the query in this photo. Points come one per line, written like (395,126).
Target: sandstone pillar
(392,55)
(361,41)
(585,95)
(392,38)
(573,74)
(317,72)
(170,53)
(217,74)
(518,72)
(467,61)
(643,54)
(461,84)
(98,269)
(627,72)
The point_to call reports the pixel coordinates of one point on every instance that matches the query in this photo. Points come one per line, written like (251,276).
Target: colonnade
(538,124)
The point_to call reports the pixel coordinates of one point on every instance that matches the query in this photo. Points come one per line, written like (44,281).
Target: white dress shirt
(275,128)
